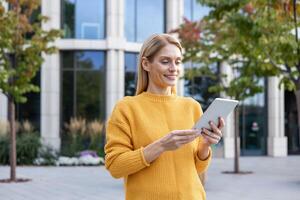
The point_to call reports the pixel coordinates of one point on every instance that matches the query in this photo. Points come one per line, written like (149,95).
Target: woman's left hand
(214,135)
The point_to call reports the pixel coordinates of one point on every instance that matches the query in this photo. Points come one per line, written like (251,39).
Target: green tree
(22,44)
(257,38)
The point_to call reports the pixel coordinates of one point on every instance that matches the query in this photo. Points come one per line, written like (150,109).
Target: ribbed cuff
(202,165)
(143,157)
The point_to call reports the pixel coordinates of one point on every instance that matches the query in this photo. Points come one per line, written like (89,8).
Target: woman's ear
(145,64)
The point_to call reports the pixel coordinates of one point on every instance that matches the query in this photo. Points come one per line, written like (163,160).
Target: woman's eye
(164,62)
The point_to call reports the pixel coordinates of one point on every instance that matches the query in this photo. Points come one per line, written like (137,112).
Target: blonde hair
(149,49)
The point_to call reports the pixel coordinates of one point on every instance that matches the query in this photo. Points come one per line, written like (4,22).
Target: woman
(149,137)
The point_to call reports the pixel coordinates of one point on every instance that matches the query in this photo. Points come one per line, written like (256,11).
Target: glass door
(291,125)
(253,124)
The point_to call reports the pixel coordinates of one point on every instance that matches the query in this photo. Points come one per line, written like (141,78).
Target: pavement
(272,179)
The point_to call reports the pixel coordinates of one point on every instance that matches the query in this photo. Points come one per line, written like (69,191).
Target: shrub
(27,148)
(4,150)
(4,126)
(46,156)
(80,135)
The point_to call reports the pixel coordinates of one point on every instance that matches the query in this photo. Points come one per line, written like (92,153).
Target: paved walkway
(272,179)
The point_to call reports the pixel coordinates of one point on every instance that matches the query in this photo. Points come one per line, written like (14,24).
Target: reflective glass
(31,110)
(193,10)
(150,18)
(84,19)
(83,85)
(130,20)
(253,124)
(90,60)
(130,73)
(68,18)
(143,18)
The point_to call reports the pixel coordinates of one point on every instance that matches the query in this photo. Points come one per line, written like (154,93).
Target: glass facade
(130,73)
(143,18)
(194,10)
(253,124)
(31,110)
(198,86)
(83,85)
(291,123)
(83,19)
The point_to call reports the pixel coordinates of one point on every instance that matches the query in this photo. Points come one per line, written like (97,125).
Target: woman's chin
(171,83)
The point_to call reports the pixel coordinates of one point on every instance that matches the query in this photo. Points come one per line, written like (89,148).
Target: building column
(50,83)
(3,98)
(115,74)
(228,130)
(3,107)
(174,17)
(114,79)
(277,141)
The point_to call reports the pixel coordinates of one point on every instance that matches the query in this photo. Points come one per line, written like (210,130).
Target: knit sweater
(137,122)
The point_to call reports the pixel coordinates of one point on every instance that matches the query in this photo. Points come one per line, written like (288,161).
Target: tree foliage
(255,37)
(22,43)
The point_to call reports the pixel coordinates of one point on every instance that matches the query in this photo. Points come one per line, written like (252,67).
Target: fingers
(221,123)
(213,135)
(215,129)
(210,139)
(186,132)
(184,138)
(180,137)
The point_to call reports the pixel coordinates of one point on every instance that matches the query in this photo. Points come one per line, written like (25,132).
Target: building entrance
(253,125)
(291,123)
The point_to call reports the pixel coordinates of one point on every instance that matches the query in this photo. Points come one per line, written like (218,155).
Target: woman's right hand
(178,138)
(171,141)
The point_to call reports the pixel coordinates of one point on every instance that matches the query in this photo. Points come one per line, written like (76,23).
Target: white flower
(68,161)
(89,160)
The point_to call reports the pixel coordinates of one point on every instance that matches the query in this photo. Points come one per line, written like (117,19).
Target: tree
(257,38)
(22,43)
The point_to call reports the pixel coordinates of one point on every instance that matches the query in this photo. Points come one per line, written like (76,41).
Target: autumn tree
(257,38)
(22,44)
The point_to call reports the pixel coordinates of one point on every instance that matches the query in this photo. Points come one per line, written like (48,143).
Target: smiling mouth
(171,77)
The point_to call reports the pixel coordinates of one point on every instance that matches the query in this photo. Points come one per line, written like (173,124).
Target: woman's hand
(214,135)
(178,138)
(171,141)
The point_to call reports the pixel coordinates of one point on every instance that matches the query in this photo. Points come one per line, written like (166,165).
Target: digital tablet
(218,108)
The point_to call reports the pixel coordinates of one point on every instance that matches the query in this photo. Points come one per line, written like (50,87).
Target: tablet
(218,108)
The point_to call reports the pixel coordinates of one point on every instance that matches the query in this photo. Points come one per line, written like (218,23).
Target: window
(83,19)
(198,86)
(193,10)
(130,73)
(83,85)
(143,18)
(31,110)
(253,123)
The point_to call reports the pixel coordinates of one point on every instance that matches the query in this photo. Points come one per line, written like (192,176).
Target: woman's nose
(172,67)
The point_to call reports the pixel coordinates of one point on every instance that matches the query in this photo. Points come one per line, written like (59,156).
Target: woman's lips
(171,77)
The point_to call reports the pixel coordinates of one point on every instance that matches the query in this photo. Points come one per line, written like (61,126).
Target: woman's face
(165,67)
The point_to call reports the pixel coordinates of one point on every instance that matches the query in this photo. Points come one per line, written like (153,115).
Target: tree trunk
(236,141)
(13,153)
(297,94)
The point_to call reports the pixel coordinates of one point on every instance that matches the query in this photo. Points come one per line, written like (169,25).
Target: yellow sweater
(138,121)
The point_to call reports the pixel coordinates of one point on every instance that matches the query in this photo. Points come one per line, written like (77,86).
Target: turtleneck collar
(158,97)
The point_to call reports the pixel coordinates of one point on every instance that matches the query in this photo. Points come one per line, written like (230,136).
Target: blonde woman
(150,142)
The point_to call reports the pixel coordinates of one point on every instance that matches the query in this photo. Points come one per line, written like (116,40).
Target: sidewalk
(272,179)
